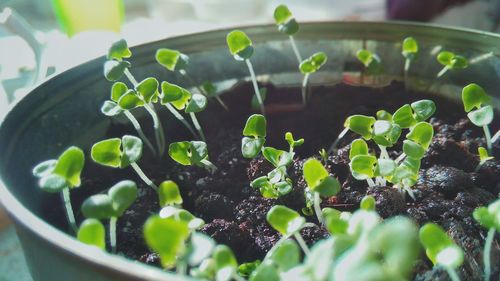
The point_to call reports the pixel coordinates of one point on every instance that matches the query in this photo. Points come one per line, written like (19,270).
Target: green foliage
(169,194)
(483,154)
(410,114)
(188,152)
(363,166)
(239,45)
(371,61)
(476,102)
(358,147)
(409,48)
(92,232)
(285,21)
(319,180)
(440,248)
(313,63)
(254,136)
(489,217)
(246,269)
(119,50)
(172,60)
(148,89)
(292,142)
(361,124)
(117,153)
(113,204)
(182,215)
(56,175)
(368,203)
(451,60)
(285,220)
(225,263)
(114,70)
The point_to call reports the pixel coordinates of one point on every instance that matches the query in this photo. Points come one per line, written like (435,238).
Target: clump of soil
(447,192)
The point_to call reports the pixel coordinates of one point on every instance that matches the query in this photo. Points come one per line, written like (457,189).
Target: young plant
(489,218)
(288,223)
(320,183)
(409,51)
(254,136)
(371,61)
(480,112)
(441,249)
(177,98)
(93,233)
(176,61)
(288,25)
(309,66)
(190,153)
(111,206)
(450,61)
(121,153)
(284,256)
(241,48)
(144,93)
(62,175)
(483,157)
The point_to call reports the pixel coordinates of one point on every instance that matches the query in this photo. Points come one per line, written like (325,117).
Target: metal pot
(65,110)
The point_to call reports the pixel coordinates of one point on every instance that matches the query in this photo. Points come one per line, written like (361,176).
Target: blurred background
(40,38)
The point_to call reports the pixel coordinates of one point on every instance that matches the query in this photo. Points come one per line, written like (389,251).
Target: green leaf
(285,255)
(451,60)
(459,62)
(225,263)
(178,96)
(255,126)
(188,153)
(273,155)
(107,152)
(196,104)
(110,108)
(422,134)
(328,187)
(434,239)
(384,115)
(423,109)
(130,100)
(70,165)
(410,48)
(123,194)
(282,14)
(291,141)
(363,166)
(199,248)
(313,63)
(239,45)
(358,147)
(132,150)
(92,232)
(365,57)
(254,103)
(445,58)
(404,117)
(265,272)
(481,117)
(148,89)
(53,183)
(368,203)
(99,206)
(169,194)
(45,168)
(251,147)
(483,154)
(385,167)
(113,70)
(314,173)
(210,88)
(484,217)
(474,96)
(119,50)
(167,246)
(173,60)
(360,124)
(182,215)
(246,269)
(285,220)
(118,90)
(413,149)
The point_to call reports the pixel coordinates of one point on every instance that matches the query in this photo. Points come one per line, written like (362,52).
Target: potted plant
(263,179)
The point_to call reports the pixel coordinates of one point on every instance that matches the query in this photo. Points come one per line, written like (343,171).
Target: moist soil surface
(447,192)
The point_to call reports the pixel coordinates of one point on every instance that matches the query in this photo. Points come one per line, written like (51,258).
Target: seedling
(92,232)
(288,223)
(288,25)
(483,157)
(284,256)
(241,48)
(177,98)
(176,61)
(111,206)
(169,194)
(371,61)
(441,249)
(489,218)
(409,51)
(309,66)
(121,153)
(62,175)
(254,136)
(190,153)
(179,214)
(480,112)
(143,94)
(450,61)
(320,183)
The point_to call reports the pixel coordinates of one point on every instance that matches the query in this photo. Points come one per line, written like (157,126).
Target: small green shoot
(489,218)
(477,103)
(121,153)
(254,134)
(371,62)
(111,206)
(179,214)
(92,232)
(450,61)
(240,46)
(288,25)
(441,249)
(368,203)
(309,66)
(189,153)
(169,194)
(483,157)
(62,175)
(409,50)
(288,223)
(226,265)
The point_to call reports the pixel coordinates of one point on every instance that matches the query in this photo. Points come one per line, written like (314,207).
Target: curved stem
(487,135)
(69,209)
(452,273)
(383,152)
(182,119)
(400,158)
(302,243)
(317,207)
(336,142)
(112,233)
(495,137)
(143,176)
(255,86)
(197,125)
(138,128)
(295,49)
(159,136)
(130,77)
(487,253)
(442,72)
(304,88)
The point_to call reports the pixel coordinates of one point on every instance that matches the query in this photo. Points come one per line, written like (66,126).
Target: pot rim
(56,238)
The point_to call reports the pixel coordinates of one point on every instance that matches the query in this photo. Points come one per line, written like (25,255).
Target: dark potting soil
(447,192)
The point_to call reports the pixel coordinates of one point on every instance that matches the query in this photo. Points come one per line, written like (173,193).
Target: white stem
(112,233)
(487,253)
(495,137)
(304,88)
(197,125)
(383,152)
(143,176)
(400,158)
(69,209)
(182,119)
(452,273)
(302,243)
(255,86)
(208,165)
(159,136)
(317,207)
(478,167)
(370,182)
(181,268)
(442,72)
(336,142)
(295,49)
(131,77)
(138,128)
(410,192)
(406,71)
(487,135)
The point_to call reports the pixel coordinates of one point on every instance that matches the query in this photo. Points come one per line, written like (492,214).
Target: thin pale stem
(143,176)
(256,86)
(495,137)
(383,152)
(203,92)
(302,243)
(370,182)
(181,268)
(69,209)
(452,273)
(138,128)
(131,77)
(442,72)
(295,49)
(478,167)
(317,207)
(159,136)
(400,158)
(197,125)
(487,135)
(208,165)
(182,119)
(487,253)
(238,278)
(112,233)
(406,71)
(336,142)
(304,88)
